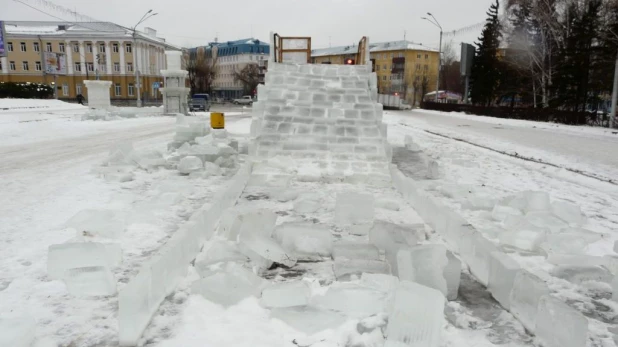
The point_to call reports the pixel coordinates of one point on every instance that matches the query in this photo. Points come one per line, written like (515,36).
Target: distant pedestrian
(80,99)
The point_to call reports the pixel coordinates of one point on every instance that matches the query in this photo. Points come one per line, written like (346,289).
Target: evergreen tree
(485,76)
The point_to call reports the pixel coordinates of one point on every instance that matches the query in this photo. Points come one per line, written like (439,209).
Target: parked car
(245,100)
(200,102)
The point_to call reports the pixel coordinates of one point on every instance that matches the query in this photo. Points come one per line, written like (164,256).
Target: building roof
(68,30)
(373,47)
(226,48)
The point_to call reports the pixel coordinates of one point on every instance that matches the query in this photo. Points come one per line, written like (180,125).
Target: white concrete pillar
(5,65)
(122,49)
(145,59)
(137,58)
(69,53)
(108,58)
(82,57)
(157,61)
(95,51)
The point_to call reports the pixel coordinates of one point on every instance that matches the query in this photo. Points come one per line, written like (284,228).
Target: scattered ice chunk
(543,219)
(476,251)
(537,201)
(262,250)
(224,288)
(615,288)
(236,222)
(204,140)
(381,282)
(416,317)
(389,236)
(388,204)
(411,145)
(452,275)
(576,259)
(204,152)
(568,212)
(425,265)
(65,256)
(479,202)
(568,243)
(17,330)
(500,212)
(285,195)
(502,272)
(218,251)
(433,170)
(308,320)
(212,169)
(90,281)
(120,153)
(305,241)
(228,163)
(344,268)
(579,274)
(559,325)
(518,201)
(307,204)
(356,251)
(352,300)
(527,291)
(190,164)
(526,237)
(104,223)
(354,208)
(286,294)
(360,229)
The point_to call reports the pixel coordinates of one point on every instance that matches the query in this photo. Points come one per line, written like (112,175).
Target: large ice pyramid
(324,116)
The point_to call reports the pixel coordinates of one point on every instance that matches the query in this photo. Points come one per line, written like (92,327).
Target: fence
(534,114)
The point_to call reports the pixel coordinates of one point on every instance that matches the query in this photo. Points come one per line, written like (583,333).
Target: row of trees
(547,53)
(203,68)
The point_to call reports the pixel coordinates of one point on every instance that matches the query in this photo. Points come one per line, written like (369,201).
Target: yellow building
(402,67)
(86,50)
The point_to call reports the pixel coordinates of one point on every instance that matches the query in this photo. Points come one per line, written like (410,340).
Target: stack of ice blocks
(325,115)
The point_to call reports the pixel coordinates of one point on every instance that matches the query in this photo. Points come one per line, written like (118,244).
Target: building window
(426,67)
(90,67)
(65,89)
(78,66)
(115,48)
(89,47)
(9,46)
(384,67)
(377,67)
(78,89)
(118,90)
(61,47)
(384,78)
(130,89)
(0,65)
(12,65)
(48,47)
(102,68)
(22,46)
(116,67)
(426,56)
(128,48)
(76,48)
(37,65)
(418,67)
(36,47)
(129,66)
(392,55)
(24,65)
(102,47)
(418,56)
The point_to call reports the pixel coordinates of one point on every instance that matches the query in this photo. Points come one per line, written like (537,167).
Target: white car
(245,100)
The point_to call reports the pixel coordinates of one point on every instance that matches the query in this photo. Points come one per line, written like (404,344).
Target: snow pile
(119,113)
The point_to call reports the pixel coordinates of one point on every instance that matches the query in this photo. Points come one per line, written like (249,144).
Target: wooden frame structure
(361,56)
(285,45)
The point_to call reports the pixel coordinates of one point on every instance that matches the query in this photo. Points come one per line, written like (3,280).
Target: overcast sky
(335,22)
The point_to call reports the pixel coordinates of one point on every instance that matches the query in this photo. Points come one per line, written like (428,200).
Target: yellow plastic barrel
(217,120)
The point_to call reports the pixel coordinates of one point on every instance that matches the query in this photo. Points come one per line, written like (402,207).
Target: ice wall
(323,115)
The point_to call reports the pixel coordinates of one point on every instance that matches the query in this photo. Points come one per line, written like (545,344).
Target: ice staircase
(325,116)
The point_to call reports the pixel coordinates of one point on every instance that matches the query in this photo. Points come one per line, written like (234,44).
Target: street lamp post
(134,52)
(435,22)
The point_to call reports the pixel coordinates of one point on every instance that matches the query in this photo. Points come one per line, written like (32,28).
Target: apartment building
(86,50)
(402,67)
(233,56)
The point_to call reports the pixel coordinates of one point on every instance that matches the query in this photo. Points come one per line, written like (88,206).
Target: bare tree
(202,67)
(450,78)
(249,76)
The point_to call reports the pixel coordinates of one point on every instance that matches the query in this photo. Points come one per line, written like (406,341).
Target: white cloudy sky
(336,22)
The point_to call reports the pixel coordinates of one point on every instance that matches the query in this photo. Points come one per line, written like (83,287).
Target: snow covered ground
(46,176)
